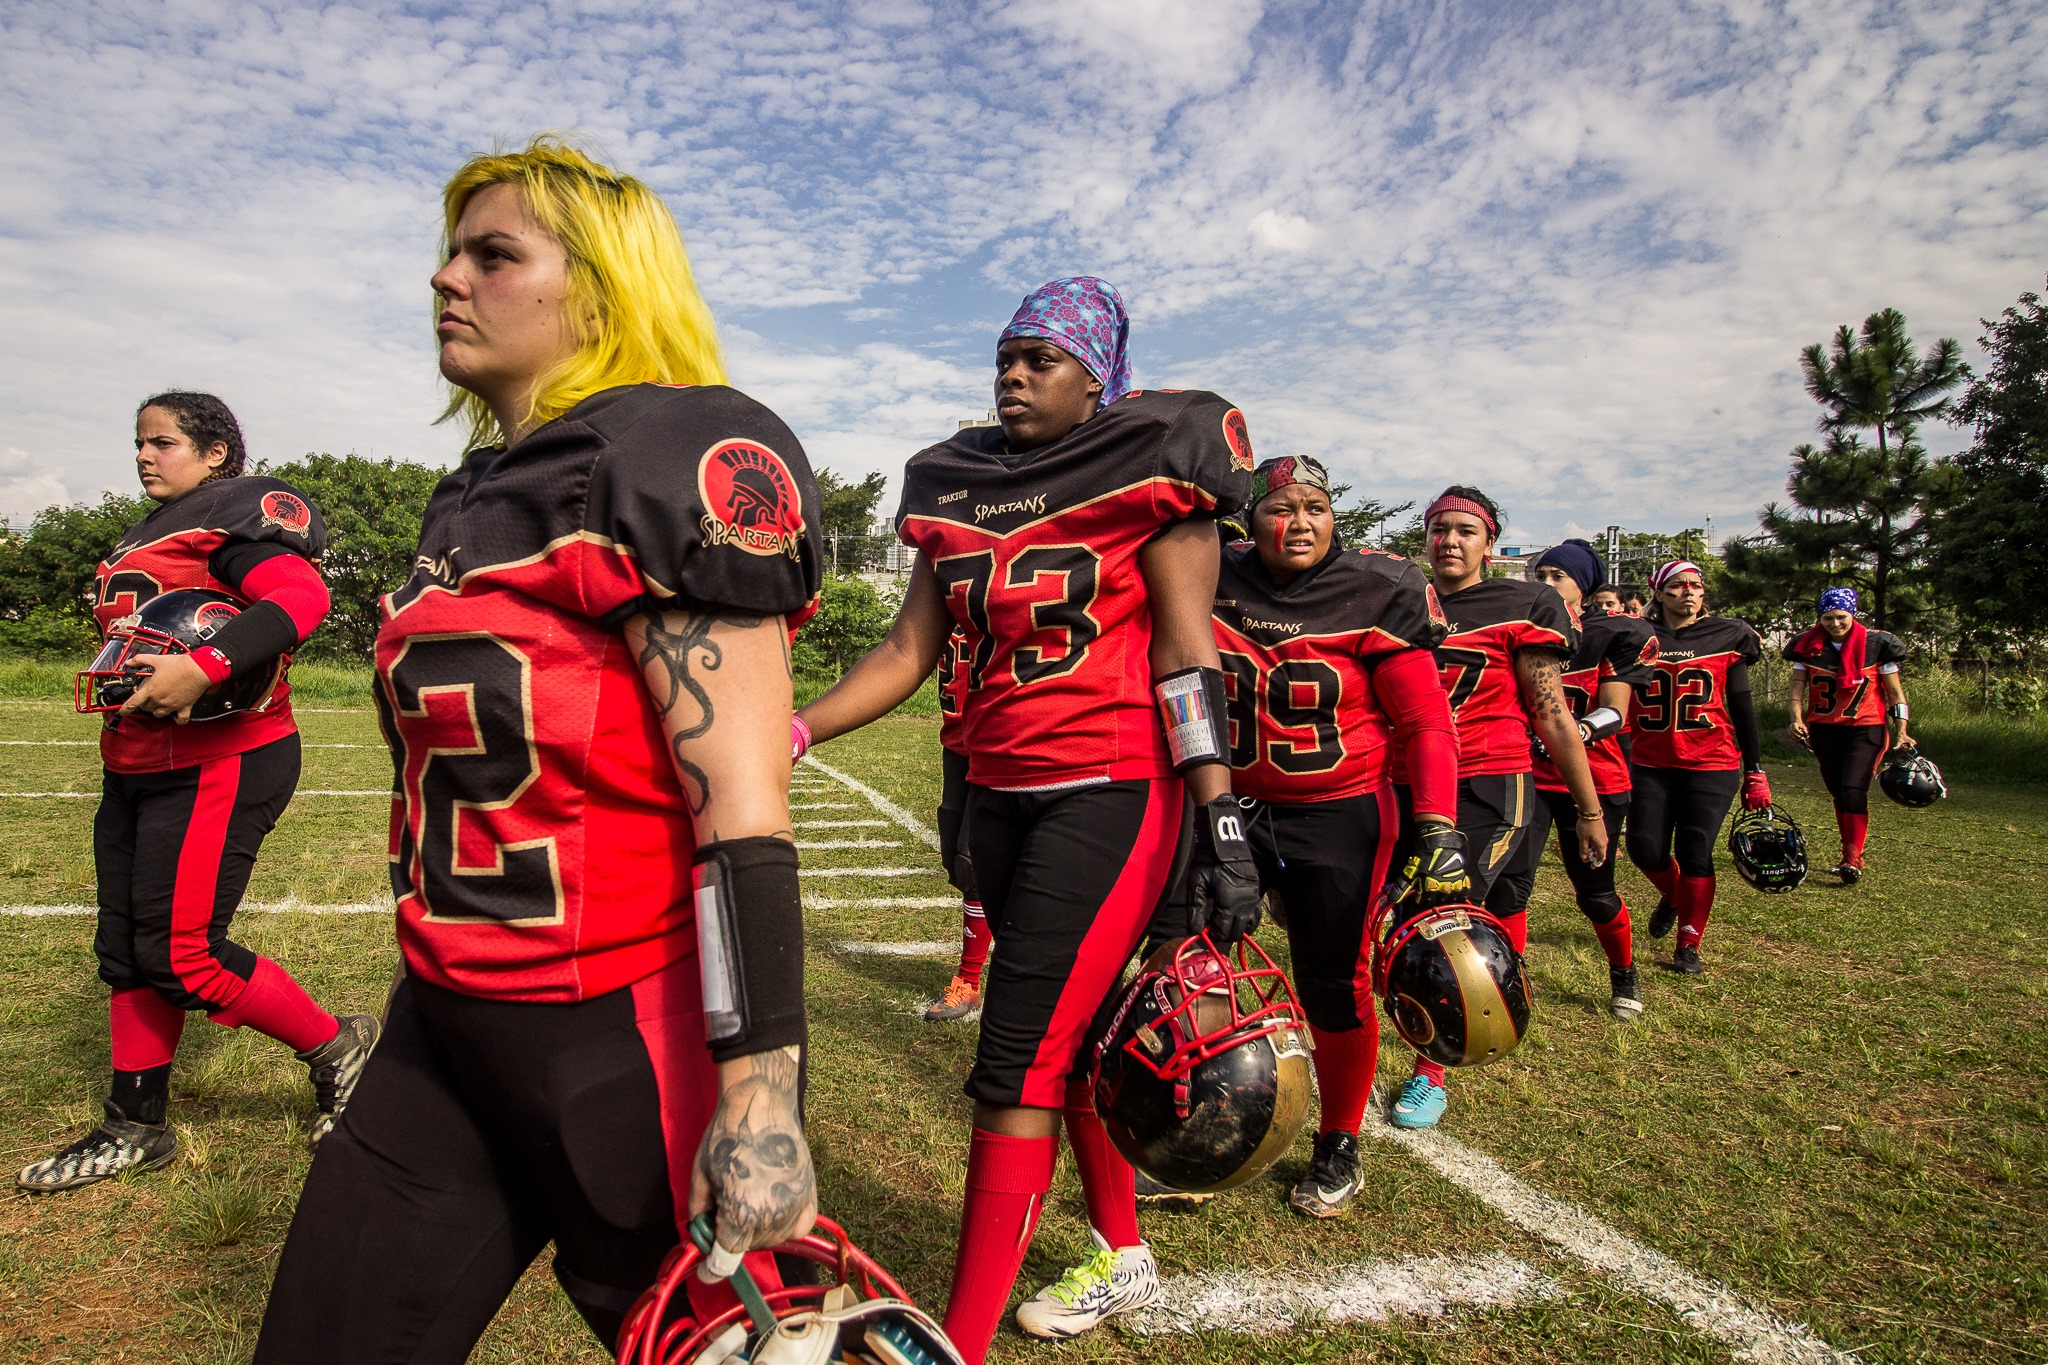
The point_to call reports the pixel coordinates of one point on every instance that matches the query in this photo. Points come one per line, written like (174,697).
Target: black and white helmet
(1911,779)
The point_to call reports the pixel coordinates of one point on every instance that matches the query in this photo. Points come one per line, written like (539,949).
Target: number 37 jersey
(540,841)
(1037,555)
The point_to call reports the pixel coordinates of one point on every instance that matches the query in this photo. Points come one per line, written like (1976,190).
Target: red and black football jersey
(1297,660)
(1490,621)
(540,841)
(1038,557)
(952,698)
(1832,698)
(210,538)
(1681,719)
(1611,649)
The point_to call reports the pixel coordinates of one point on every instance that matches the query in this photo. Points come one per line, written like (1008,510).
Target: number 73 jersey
(1681,719)
(1037,555)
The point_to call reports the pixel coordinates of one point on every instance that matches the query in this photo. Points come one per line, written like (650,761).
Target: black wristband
(255,637)
(1196,717)
(750,941)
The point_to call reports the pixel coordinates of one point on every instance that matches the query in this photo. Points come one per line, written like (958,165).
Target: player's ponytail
(206,422)
(632,302)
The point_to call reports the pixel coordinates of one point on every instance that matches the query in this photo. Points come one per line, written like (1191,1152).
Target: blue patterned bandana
(1838,599)
(1084,317)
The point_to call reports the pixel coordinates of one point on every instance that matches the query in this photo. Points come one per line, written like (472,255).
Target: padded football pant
(1593,886)
(1326,860)
(173,851)
(1679,811)
(1849,757)
(1494,810)
(1069,880)
(953,852)
(482,1130)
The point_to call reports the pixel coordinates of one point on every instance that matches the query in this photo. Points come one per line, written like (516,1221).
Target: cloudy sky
(1566,251)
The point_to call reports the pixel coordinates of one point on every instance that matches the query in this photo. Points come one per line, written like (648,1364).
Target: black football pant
(173,851)
(1326,860)
(1679,811)
(953,850)
(1849,755)
(1593,886)
(1494,810)
(481,1131)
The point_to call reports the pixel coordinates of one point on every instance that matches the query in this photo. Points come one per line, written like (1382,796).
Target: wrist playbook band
(1599,724)
(1897,710)
(750,946)
(1191,707)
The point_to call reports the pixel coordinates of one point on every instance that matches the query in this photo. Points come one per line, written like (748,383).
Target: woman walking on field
(202,756)
(1845,688)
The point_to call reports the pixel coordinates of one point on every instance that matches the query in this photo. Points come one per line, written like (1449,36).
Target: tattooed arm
(722,685)
(1539,672)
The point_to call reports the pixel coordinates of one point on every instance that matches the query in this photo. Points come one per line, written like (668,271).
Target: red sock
(1665,879)
(1345,1063)
(1855,829)
(1517,926)
(1433,1070)
(145,1028)
(1614,939)
(1007,1181)
(974,941)
(1695,902)
(275,1004)
(1107,1181)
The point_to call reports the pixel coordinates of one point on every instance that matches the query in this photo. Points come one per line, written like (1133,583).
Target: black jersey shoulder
(1192,437)
(1883,647)
(1627,643)
(1350,591)
(249,509)
(1507,601)
(1706,638)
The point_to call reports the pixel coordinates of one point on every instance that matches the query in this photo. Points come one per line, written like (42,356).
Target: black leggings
(1594,886)
(1849,755)
(1679,810)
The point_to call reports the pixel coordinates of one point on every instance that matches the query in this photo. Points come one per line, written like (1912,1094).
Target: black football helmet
(1769,849)
(1453,984)
(1202,1076)
(172,623)
(861,1316)
(1911,779)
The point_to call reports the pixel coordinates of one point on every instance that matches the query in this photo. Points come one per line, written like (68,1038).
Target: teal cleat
(1419,1105)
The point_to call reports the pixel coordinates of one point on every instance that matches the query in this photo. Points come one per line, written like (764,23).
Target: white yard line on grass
(1709,1308)
(934,948)
(844,824)
(882,902)
(868,872)
(1258,1304)
(815,844)
(823,805)
(879,802)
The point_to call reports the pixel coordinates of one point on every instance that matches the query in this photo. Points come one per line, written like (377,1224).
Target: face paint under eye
(1279,535)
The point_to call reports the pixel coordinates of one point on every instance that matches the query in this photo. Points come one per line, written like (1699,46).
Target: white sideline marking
(289,907)
(934,948)
(849,843)
(882,903)
(1709,1308)
(880,803)
(1374,1291)
(844,824)
(823,805)
(868,872)
(94,796)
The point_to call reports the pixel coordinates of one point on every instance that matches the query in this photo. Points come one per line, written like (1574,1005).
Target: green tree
(851,619)
(1363,522)
(372,509)
(53,565)
(848,521)
(1857,510)
(1989,530)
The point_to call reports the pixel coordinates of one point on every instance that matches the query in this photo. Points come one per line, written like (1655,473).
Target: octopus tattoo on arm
(679,648)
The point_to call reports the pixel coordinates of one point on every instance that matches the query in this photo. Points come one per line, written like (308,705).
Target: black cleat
(336,1065)
(1627,1002)
(1332,1180)
(1663,917)
(116,1146)
(1153,1195)
(1850,873)
(1686,959)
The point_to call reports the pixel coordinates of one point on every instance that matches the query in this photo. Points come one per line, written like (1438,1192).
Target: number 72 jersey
(1681,719)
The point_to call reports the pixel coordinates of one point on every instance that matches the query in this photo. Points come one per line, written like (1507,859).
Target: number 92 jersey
(540,841)
(1304,723)
(1037,555)
(1681,719)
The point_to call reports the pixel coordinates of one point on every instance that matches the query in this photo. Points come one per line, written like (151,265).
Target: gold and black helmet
(1454,986)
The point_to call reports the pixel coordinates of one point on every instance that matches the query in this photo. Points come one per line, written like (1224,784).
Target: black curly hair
(205,420)
(1471,494)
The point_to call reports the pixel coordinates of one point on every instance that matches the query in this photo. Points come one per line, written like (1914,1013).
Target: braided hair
(205,421)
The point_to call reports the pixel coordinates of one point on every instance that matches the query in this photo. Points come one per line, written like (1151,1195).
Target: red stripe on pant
(1107,948)
(668,1010)
(1364,1002)
(197,888)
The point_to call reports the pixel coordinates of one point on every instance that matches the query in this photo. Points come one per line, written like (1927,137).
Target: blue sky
(1566,251)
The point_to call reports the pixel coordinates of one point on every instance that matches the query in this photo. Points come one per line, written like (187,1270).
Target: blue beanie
(1579,561)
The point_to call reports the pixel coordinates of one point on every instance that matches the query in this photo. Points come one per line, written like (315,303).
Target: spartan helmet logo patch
(749,499)
(213,615)
(286,510)
(1240,439)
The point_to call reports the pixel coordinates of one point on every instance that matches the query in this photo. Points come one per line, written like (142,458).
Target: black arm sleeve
(254,639)
(1742,715)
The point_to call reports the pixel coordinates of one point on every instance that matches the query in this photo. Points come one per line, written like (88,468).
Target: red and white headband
(1664,573)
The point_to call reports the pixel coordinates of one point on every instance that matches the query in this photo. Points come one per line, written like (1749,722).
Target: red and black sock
(275,1004)
(974,941)
(1614,938)
(1517,925)
(1665,879)
(1007,1181)
(1107,1181)
(1345,1063)
(1695,901)
(1855,828)
(1433,1070)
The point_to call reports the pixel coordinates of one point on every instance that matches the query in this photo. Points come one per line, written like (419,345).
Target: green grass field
(1845,1123)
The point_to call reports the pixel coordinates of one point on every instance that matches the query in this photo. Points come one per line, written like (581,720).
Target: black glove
(1436,870)
(1223,881)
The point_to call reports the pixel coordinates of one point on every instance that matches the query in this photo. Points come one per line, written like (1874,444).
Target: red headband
(1666,572)
(1452,503)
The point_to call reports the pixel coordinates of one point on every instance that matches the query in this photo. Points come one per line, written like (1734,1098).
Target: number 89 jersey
(1681,719)
(1037,555)
(1304,723)
(540,841)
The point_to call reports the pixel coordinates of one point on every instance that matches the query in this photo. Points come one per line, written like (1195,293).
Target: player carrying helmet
(1845,687)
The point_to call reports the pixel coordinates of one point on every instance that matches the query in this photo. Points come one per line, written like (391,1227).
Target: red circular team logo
(1240,439)
(749,500)
(287,510)
(211,616)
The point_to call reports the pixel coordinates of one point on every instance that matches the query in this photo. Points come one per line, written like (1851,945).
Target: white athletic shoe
(1108,1282)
